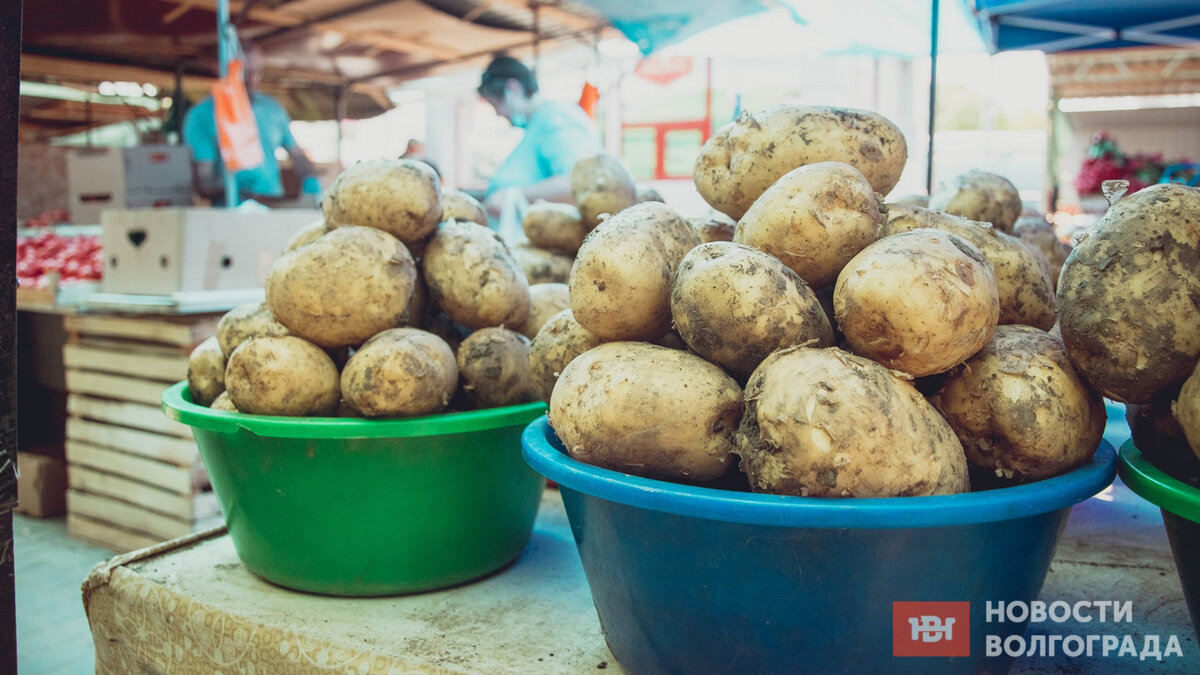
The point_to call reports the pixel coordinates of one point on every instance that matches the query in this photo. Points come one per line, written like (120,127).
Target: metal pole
(225,54)
(933,57)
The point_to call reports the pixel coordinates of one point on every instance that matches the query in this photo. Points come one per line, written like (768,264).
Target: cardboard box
(171,250)
(147,175)
(42,485)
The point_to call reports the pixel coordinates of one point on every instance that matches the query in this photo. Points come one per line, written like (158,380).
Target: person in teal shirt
(261,182)
(556,135)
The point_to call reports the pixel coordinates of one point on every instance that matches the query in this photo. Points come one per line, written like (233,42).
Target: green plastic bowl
(369,507)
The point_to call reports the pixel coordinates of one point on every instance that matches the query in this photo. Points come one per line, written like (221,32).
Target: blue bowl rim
(541,449)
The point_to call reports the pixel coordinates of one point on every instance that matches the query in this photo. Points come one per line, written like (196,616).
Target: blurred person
(556,135)
(263,182)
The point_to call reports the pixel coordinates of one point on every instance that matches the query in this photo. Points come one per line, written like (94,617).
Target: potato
(554,227)
(401,372)
(224,403)
(715,226)
(402,197)
(493,368)
(743,158)
(1129,294)
(444,327)
(601,184)
(542,266)
(546,300)
(1039,235)
(1187,410)
(458,205)
(734,305)
(474,279)
(558,342)
(344,287)
(306,235)
(206,372)
(282,376)
(649,194)
(825,423)
(979,195)
(621,282)
(1019,408)
(1157,433)
(247,321)
(921,301)
(647,410)
(1026,292)
(815,219)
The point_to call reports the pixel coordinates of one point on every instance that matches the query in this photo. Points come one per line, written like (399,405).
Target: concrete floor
(52,631)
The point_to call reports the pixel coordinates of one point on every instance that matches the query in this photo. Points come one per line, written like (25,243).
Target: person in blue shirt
(263,182)
(556,135)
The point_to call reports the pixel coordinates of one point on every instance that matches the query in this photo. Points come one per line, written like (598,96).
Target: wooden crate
(135,477)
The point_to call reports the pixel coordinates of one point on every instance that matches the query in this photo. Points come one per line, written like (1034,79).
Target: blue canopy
(656,23)
(1064,25)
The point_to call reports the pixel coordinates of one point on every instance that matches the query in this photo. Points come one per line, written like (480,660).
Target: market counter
(190,606)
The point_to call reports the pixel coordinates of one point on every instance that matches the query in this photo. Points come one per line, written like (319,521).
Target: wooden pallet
(135,477)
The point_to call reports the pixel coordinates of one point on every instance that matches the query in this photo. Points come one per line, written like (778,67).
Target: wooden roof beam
(36,66)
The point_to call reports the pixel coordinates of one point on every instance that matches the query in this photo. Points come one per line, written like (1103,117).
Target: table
(190,606)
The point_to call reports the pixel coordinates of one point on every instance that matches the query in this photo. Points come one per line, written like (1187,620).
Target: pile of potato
(830,343)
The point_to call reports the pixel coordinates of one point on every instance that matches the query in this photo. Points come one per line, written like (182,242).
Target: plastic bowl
(369,507)
(1180,505)
(699,580)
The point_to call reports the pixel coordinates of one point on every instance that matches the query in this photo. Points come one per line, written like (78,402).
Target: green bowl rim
(1156,485)
(177,405)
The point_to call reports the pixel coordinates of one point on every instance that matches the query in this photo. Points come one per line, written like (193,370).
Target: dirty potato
(344,287)
(620,285)
(1039,235)
(493,368)
(1128,298)
(1187,410)
(306,235)
(979,195)
(1026,292)
(1020,409)
(402,197)
(554,227)
(401,372)
(600,184)
(921,301)
(472,276)
(542,266)
(558,342)
(223,403)
(734,305)
(743,158)
(458,205)
(825,423)
(206,372)
(647,410)
(715,226)
(247,321)
(545,300)
(282,376)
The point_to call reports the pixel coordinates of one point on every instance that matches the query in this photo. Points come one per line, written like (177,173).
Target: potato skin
(401,372)
(282,376)
(979,195)
(1039,235)
(921,301)
(546,300)
(1128,298)
(621,282)
(402,197)
(306,235)
(247,321)
(554,227)
(734,305)
(542,266)
(471,275)
(814,218)
(1026,292)
(458,205)
(601,184)
(206,372)
(743,158)
(493,368)
(344,287)
(715,226)
(223,403)
(825,423)
(558,342)
(1020,409)
(647,410)
(1187,410)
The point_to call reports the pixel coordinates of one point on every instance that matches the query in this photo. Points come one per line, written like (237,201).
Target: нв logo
(931,629)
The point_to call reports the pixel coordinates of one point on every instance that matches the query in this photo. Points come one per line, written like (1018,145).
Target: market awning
(1064,25)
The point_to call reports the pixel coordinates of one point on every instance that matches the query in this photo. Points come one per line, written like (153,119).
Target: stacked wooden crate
(135,477)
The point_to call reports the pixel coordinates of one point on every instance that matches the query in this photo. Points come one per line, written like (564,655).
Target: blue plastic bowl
(699,580)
